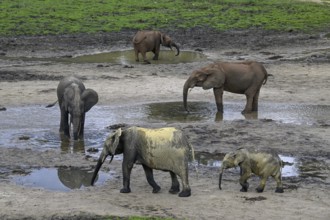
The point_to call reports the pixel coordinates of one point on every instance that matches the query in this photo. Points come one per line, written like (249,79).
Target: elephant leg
(82,127)
(64,124)
(127,168)
(156,53)
(249,101)
(245,175)
(218,93)
(186,191)
(278,179)
(255,101)
(150,178)
(175,188)
(144,55)
(262,184)
(136,55)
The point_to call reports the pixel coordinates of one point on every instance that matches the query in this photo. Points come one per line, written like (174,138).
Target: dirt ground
(299,65)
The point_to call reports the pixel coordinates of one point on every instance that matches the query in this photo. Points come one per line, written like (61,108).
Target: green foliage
(43,17)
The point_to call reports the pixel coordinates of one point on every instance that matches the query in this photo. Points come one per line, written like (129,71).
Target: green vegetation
(44,17)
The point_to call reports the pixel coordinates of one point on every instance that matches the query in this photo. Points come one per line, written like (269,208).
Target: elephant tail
(193,159)
(52,104)
(266,74)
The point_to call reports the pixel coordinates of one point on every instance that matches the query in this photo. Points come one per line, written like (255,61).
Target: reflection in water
(61,179)
(68,146)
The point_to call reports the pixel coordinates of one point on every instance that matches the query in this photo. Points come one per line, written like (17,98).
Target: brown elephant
(237,77)
(145,41)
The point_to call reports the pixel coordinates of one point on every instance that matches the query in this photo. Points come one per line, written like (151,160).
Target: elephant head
(167,42)
(77,102)
(205,78)
(110,147)
(232,159)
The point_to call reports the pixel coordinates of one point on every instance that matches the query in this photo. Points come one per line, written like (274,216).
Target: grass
(52,17)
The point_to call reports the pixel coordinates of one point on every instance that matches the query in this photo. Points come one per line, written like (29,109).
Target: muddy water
(37,126)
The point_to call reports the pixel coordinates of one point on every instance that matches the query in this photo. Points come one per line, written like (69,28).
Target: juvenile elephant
(260,163)
(164,149)
(74,100)
(145,41)
(239,77)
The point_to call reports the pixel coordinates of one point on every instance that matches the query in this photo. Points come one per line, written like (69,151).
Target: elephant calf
(259,163)
(74,101)
(164,149)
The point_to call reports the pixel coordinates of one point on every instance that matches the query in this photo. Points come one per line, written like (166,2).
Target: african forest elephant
(236,77)
(74,100)
(145,41)
(164,149)
(260,163)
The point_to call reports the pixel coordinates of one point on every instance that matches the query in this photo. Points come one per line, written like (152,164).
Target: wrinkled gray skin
(145,41)
(260,163)
(236,77)
(74,100)
(164,149)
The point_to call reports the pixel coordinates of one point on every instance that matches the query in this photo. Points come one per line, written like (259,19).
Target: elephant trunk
(186,87)
(98,166)
(76,121)
(177,49)
(220,176)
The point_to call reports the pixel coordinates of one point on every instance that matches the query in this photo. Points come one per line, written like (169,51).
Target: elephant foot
(146,62)
(245,187)
(246,112)
(185,193)
(125,190)
(156,189)
(259,189)
(174,190)
(279,190)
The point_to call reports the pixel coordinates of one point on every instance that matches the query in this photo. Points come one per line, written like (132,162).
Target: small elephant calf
(260,163)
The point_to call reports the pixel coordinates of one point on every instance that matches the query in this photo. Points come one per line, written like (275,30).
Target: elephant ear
(115,138)
(214,79)
(89,97)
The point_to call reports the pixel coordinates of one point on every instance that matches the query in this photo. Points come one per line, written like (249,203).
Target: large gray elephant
(145,41)
(164,149)
(74,100)
(236,77)
(260,163)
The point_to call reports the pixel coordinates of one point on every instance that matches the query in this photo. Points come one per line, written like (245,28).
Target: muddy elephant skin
(164,149)
(145,41)
(260,163)
(236,77)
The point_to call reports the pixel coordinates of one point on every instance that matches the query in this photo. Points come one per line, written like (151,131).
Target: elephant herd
(168,148)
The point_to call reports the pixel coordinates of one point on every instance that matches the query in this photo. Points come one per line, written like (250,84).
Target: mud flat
(294,121)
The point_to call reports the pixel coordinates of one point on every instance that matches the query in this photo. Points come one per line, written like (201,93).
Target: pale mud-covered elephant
(74,101)
(260,163)
(164,149)
(145,41)
(237,77)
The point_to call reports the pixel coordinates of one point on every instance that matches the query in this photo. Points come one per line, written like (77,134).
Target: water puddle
(61,178)
(206,112)
(306,167)
(37,126)
(122,57)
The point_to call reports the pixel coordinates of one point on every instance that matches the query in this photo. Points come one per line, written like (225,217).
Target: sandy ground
(299,65)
